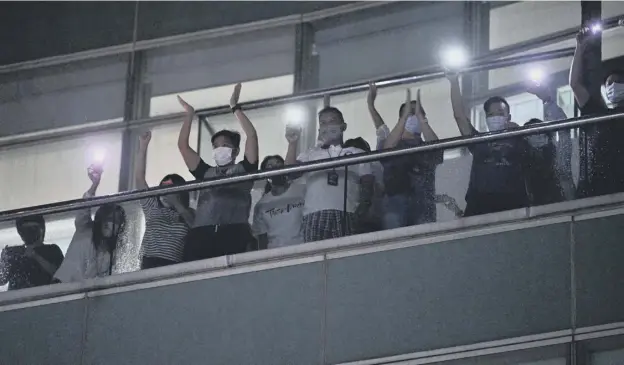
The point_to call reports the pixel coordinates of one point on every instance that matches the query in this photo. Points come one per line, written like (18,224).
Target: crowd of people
(297,208)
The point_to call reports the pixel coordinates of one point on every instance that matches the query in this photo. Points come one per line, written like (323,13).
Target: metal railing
(302,168)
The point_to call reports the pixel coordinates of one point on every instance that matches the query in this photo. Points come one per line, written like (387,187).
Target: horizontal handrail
(302,168)
(431,73)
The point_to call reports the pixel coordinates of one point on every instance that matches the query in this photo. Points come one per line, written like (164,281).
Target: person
(329,212)
(371,222)
(221,224)
(91,252)
(279,213)
(549,176)
(601,152)
(32,264)
(497,177)
(167,218)
(409,180)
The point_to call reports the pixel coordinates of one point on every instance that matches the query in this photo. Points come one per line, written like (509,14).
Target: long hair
(268,186)
(103,212)
(177,180)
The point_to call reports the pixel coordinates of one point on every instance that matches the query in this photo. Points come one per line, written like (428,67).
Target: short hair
(358,143)
(534,121)
(619,72)
(331,109)
(178,180)
(494,100)
(269,158)
(233,136)
(402,108)
(19,222)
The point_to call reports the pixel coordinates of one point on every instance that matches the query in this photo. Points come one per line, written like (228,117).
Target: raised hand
(145,137)
(372,93)
(235,95)
(408,104)
(419,107)
(540,90)
(187,107)
(95,173)
(293,134)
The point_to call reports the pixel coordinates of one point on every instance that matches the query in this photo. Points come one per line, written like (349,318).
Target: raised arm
(292,136)
(581,94)
(372,95)
(190,156)
(395,135)
(251,142)
(459,109)
(83,217)
(427,132)
(140,163)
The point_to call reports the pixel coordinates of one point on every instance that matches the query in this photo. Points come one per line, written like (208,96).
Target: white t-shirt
(320,195)
(280,217)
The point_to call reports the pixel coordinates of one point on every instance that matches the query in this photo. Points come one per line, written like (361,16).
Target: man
(221,220)
(32,264)
(410,180)
(497,176)
(324,214)
(602,153)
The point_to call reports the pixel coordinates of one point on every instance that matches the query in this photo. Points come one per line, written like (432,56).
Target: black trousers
(215,241)
(152,262)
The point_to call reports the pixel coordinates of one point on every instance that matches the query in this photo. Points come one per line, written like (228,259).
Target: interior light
(596,28)
(295,115)
(98,155)
(536,75)
(454,58)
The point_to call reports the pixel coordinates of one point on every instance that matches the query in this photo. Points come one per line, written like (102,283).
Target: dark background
(34,30)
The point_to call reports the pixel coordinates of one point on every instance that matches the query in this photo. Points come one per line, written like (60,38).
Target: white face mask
(615,93)
(412,125)
(496,123)
(222,155)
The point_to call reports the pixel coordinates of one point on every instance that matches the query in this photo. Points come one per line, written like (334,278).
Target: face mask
(496,123)
(330,133)
(615,92)
(222,155)
(538,141)
(412,125)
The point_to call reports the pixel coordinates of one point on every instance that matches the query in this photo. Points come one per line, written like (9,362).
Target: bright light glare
(98,155)
(295,115)
(595,28)
(454,58)
(536,75)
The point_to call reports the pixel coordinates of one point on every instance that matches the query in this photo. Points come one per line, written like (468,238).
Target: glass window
(55,171)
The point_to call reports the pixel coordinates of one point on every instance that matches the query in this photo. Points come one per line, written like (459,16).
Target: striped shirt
(165,231)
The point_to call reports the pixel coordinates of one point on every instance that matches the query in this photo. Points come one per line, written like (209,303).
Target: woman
(167,218)
(279,213)
(91,252)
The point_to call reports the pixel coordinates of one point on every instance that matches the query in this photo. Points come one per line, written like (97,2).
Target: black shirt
(25,272)
(498,170)
(601,152)
(543,182)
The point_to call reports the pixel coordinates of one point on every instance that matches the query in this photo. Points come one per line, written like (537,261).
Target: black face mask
(31,235)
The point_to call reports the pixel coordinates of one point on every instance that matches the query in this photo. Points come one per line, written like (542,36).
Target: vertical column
(477,43)
(591,12)
(306,78)
(136,107)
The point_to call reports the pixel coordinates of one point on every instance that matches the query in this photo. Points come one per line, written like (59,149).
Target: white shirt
(322,196)
(280,217)
(82,260)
